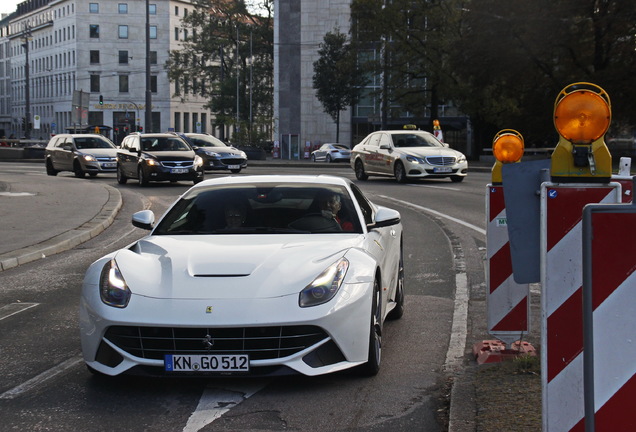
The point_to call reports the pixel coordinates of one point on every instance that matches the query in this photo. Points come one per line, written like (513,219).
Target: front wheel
(359,169)
(400,173)
(143,179)
(77,170)
(372,366)
(121,177)
(49,168)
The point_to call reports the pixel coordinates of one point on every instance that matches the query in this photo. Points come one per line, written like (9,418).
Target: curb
(69,239)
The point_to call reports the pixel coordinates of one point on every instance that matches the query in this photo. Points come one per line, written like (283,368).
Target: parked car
(157,157)
(407,154)
(81,154)
(260,275)
(215,153)
(331,153)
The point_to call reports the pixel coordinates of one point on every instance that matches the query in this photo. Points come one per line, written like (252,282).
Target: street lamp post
(148,119)
(27,90)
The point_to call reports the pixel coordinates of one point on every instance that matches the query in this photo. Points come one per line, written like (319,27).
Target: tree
(337,79)
(227,58)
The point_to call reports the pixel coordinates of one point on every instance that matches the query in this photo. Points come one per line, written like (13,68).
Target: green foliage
(337,79)
(227,46)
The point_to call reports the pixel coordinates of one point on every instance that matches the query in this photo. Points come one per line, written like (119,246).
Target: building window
(176,10)
(153,57)
(123,83)
(153,32)
(153,83)
(123,57)
(93,7)
(94,31)
(176,33)
(94,56)
(123,32)
(152,9)
(95,84)
(123,8)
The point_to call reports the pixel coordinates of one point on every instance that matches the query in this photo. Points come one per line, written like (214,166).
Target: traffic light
(101,100)
(140,128)
(125,129)
(23,124)
(117,130)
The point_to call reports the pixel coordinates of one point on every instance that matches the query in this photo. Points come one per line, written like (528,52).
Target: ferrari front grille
(440,160)
(261,343)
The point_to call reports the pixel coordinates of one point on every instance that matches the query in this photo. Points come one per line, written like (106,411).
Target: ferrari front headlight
(112,286)
(325,286)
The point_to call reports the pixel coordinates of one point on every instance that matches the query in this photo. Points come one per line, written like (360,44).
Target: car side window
(384,140)
(374,140)
(60,142)
(365,206)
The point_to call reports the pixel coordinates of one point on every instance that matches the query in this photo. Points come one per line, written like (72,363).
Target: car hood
(172,155)
(99,152)
(229,266)
(429,151)
(225,151)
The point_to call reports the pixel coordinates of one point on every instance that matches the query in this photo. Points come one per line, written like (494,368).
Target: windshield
(164,144)
(92,143)
(206,141)
(289,208)
(415,140)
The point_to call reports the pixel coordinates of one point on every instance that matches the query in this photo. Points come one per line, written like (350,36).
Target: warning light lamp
(582,115)
(507,147)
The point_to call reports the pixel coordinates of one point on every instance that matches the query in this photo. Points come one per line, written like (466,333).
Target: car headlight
(198,161)
(212,153)
(244,155)
(325,286)
(414,159)
(88,158)
(461,159)
(152,162)
(112,286)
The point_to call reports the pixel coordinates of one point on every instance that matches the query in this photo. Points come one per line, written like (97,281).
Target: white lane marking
(436,213)
(217,401)
(457,343)
(435,187)
(16,194)
(15,308)
(42,378)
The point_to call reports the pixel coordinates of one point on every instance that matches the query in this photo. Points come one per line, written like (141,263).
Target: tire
(328,158)
(143,180)
(121,177)
(400,173)
(398,310)
(359,169)
(457,179)
(313,158)
(49,168)
(77,170)
(372,366)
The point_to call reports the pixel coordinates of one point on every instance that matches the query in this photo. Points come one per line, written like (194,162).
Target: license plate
(207,363)
(179,171)
(234,167)
(442,169)
(109,165)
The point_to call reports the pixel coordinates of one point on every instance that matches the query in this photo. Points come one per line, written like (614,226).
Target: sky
(8,6)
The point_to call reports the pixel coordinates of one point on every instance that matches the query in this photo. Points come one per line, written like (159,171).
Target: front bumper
(161,173)
(339,331)
(226,164)
(416,170)
(100,166)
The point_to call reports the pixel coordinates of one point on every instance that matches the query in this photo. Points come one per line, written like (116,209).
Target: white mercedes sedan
(407,154)
(257,275)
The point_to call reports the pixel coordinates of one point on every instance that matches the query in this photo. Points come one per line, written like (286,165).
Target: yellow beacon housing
(507,147)
(582,115)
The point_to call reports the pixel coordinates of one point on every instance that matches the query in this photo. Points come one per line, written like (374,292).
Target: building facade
(300,121)
(87,67)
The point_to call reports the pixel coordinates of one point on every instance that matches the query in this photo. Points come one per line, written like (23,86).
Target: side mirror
(384,146)
(385,217)
(144,219)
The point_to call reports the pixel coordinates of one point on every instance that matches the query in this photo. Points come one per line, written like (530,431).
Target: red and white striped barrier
(609,292)
(507,302)
(562,299)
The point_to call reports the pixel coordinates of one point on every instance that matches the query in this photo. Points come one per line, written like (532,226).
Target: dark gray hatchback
(157,157)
